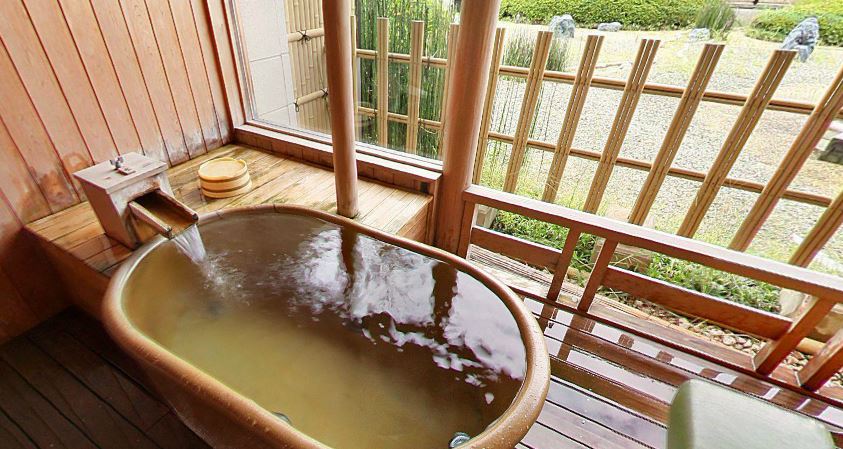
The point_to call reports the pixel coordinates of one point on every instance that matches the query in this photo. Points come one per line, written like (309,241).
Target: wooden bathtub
(301,329)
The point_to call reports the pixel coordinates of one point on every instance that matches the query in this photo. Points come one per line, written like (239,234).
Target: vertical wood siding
(84,81)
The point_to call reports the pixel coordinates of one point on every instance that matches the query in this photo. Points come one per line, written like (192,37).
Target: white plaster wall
(264,28)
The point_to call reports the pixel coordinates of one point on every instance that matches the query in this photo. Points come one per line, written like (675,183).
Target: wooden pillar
(341,102)
(461,129)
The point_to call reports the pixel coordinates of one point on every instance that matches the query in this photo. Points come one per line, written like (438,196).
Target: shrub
(676,271)
(716,15)
(775,24)
(716,283)
(633,14)
(520,47)
(544,234)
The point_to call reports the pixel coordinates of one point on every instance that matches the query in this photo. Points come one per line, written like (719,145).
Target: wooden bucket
(224,177)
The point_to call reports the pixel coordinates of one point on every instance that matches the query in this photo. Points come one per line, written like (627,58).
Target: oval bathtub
(299,329)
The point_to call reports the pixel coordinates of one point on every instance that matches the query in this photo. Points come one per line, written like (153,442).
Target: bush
(775,24)
(723,285)
(633,14)
(716,15)
(544,234)
(520,47)
(676,271)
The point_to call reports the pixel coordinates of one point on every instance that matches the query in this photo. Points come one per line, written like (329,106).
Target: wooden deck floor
(65,384)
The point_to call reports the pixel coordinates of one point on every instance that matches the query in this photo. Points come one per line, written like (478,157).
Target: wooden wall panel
(201,18)
(89,41)
(30,136)
(55,37)
(109,19)
(152,67)
(199,85)
(168,44)
(83,81)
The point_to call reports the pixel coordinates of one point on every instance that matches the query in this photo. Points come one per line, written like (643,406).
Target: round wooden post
(341,102)
(464,108)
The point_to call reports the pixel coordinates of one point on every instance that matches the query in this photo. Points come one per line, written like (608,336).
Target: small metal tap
(118,165)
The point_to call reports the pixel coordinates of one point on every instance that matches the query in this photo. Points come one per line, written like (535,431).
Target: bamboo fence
(307,61)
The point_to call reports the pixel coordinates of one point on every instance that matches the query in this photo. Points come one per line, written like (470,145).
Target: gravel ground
(741,63)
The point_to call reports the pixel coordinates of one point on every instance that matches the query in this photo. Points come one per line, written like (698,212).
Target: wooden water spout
(133,200)
(162,213)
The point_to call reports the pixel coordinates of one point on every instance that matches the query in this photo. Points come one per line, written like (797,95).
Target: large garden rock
(562,26)
(803,38)
(834,150)
(611,27)
(699,34)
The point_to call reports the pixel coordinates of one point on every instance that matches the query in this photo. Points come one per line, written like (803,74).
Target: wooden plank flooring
(277,179)
(66,384)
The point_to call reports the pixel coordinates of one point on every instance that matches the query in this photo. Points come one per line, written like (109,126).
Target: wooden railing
(782,334)
(584,79)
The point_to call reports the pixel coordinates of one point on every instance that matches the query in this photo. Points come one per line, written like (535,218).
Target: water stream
(190,243)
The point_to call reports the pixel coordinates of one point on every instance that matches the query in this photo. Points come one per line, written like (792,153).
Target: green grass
(723,285)
(545,234)
(679,272)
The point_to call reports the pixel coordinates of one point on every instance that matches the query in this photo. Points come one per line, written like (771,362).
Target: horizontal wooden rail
(729,314)
(773,272)
(519,249)
(663,90)
(636,164)
(783,334)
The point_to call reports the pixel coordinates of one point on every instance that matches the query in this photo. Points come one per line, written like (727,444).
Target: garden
(750,38)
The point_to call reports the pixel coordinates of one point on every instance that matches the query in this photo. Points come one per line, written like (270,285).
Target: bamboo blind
(307,55)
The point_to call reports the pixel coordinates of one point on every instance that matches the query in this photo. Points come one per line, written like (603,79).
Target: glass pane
(283,52)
